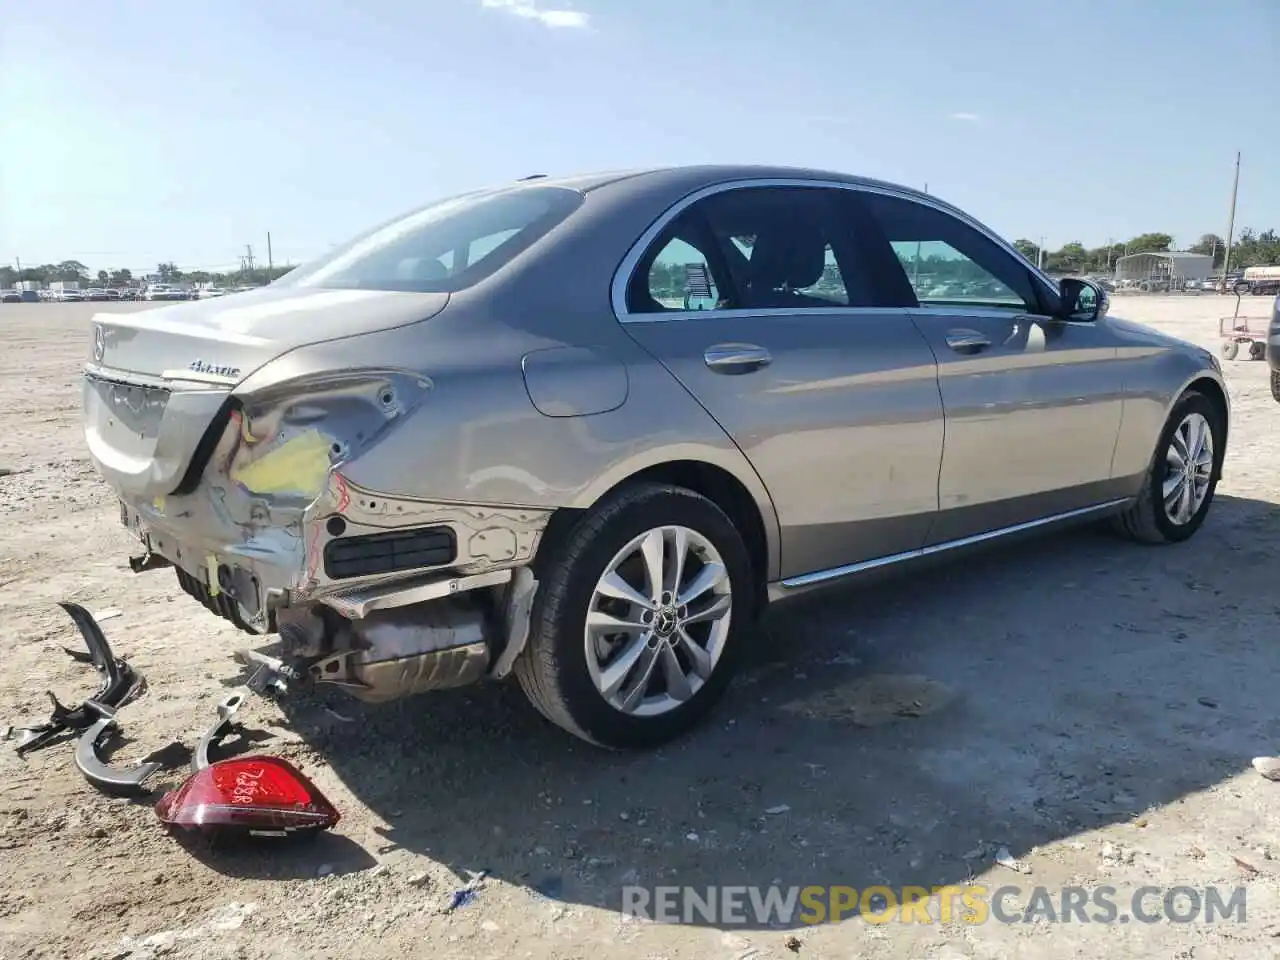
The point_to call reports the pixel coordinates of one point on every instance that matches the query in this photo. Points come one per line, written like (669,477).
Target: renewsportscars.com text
(971,904)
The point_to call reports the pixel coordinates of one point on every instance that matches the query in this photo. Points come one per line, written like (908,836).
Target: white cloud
(529,10)
(962,116)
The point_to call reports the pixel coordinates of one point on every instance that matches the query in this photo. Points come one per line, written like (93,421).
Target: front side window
(444,247)
(751,248)
(947,262)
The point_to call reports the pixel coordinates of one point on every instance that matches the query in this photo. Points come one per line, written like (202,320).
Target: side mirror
(1082,301)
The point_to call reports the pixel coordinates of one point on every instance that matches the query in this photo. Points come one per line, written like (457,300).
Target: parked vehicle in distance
(164,291)
(582,430)
(10,296)
(95,293)
(1263,281)
(30,296)
(208,293)
(68,296)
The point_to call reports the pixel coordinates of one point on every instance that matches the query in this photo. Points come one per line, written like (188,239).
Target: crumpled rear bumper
(295,532)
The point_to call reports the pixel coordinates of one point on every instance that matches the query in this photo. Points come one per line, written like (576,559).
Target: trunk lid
(158,378)
(223,340)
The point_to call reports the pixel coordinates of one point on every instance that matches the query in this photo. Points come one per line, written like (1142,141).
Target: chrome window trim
(668,315)
(622,276)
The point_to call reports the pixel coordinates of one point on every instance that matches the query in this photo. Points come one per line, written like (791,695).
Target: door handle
(967,341)
(736,357)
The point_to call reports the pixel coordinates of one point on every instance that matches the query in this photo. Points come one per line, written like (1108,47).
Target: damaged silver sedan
(583,430)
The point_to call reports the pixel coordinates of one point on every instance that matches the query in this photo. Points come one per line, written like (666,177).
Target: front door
(1032,403)
(754,298)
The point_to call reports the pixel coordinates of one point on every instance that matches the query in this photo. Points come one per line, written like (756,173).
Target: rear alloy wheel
(637,625)
(1183,476)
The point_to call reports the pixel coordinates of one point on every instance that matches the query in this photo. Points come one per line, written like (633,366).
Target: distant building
(1173,267)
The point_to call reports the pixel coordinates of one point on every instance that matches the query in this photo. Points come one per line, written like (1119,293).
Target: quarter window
(753,248)
(680,278)
(947,262)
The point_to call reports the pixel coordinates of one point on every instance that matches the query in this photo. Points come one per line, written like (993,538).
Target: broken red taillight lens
(260,796)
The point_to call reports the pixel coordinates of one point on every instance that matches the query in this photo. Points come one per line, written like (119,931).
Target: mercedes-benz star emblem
(99,343)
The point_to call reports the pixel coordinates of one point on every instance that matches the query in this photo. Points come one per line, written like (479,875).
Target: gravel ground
(1089,705)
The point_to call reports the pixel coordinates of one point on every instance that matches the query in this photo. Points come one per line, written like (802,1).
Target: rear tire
(1175,501)
(1275,385)
(1230,350)
(588,681)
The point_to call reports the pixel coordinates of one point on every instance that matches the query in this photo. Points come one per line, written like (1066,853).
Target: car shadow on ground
(896,735)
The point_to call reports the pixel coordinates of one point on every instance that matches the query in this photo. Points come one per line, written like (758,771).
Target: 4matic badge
(199,366)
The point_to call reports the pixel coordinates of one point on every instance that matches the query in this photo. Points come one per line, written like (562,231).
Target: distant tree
(1208,243)
(168,272)
(103,277)
(1070,259)
(1150,243)
(123,275)
(70,270)
(8,277)
(1255,249)
(1027,249)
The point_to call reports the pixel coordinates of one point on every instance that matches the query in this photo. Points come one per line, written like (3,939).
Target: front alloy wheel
(1184,472)
(1189,468)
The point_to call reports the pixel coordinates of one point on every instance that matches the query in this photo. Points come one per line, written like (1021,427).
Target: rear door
(759,302)
(1032,403)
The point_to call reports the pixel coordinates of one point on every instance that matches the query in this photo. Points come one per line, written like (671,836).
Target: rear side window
(445,247)
(752,248)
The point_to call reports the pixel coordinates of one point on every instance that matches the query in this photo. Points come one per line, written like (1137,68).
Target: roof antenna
(532,176)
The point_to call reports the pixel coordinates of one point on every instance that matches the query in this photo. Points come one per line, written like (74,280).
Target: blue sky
(138,131)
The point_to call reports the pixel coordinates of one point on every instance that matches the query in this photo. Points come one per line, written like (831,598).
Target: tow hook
(121,684)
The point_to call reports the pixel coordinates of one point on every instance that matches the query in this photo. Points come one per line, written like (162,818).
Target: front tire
(638,625)
(1183,476)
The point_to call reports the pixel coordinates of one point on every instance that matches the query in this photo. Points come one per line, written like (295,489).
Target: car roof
(694,176)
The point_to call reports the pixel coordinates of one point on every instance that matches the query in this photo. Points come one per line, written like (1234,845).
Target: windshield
(445,247)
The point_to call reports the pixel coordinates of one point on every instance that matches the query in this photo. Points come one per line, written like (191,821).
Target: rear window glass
(445,247)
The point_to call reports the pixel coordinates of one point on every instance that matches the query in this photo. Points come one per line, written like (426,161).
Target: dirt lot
(1090,705)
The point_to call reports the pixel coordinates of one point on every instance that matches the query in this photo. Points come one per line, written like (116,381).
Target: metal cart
(1236,330)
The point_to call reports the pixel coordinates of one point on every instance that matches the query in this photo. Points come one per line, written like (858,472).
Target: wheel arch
(738,492)
(1215,391)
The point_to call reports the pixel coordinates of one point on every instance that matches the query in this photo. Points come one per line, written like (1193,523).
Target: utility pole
(1040,255)
(270,262)
(1231,224)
